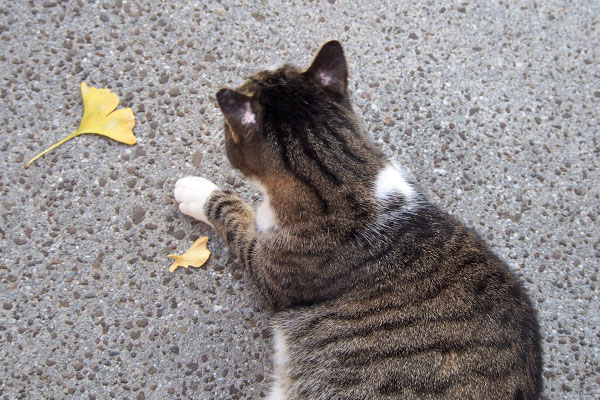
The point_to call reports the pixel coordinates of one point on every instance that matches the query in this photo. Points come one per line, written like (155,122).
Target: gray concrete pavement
(494,108)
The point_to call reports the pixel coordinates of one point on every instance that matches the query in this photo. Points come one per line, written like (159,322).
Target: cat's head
(274,120)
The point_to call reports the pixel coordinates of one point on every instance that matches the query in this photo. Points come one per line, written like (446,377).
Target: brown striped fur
(375,298)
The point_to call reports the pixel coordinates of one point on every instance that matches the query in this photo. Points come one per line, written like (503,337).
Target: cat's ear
(329,67)
(237,110)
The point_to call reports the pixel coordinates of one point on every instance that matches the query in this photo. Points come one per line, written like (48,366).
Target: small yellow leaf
(100,118)
(196,255)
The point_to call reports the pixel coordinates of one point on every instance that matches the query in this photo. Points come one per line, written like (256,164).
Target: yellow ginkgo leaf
(100,118)
(196,255)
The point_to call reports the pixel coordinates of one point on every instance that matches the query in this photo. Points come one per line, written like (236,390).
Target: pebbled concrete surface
(494,108)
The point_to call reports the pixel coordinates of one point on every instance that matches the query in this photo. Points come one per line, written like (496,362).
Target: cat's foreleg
(231,217)
(225,211)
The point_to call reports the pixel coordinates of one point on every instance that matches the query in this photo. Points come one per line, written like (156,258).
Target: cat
(377,293)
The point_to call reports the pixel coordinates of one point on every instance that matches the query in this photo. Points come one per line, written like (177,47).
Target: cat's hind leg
(192,193)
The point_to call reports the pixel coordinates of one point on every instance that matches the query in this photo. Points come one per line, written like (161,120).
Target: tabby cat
(378,294)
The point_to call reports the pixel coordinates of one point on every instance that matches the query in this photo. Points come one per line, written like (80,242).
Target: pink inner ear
(325,78)
(249,117)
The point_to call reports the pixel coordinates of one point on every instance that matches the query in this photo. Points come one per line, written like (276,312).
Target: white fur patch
(191,193)
(280,361)
(265,217)
(276,393)
(389,181)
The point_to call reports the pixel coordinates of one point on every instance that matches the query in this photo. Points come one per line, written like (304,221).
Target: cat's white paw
(191,193)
